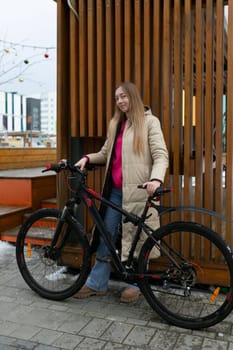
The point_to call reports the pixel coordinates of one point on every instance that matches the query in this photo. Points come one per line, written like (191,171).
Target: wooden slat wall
(179,54)
(20,158)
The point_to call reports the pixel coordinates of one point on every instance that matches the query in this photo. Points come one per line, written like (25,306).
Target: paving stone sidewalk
(97,323)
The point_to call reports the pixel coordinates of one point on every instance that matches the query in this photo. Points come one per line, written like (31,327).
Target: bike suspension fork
(58,229)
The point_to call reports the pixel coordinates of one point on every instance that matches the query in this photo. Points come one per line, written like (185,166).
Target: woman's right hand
(82,163)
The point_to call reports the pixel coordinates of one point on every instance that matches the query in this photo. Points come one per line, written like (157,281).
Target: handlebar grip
(52,167)
(159,191)
(141,186)
(64,164)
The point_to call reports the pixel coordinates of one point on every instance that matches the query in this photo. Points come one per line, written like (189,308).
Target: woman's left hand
(151,186)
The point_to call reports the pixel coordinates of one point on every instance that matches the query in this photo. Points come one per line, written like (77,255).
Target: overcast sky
(28,34)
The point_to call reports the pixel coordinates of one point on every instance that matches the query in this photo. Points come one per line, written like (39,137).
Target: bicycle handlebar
(63,164)
(159,191)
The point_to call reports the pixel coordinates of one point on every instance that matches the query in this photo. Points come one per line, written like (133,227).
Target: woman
(134,153)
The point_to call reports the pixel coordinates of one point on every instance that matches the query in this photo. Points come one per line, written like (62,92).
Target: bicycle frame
(87,196)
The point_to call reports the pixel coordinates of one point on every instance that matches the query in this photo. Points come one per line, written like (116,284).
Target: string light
(9,69)
(13,44)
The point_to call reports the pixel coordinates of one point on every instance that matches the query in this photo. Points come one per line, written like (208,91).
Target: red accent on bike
(229,297)
(154,277)
(148,204)
(89,202)
(93,193)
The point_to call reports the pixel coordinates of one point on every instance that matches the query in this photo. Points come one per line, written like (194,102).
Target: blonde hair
(136,117)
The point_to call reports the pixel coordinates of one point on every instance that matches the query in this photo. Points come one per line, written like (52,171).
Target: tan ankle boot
(86,292)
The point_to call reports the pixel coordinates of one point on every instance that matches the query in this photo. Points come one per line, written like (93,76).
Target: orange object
(29,252)
(215,294)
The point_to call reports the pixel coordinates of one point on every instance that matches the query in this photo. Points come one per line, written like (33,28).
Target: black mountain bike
(181,285)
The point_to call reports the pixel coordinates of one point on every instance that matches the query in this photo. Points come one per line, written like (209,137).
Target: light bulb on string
(46,55)
(9,50)
(26,61)
(21,79)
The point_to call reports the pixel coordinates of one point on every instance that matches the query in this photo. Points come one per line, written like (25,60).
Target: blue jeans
(100,273)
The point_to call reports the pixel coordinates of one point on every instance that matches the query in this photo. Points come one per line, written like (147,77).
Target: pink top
(117,160)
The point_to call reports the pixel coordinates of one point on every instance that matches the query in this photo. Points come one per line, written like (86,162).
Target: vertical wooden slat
(199,94)
(128,39)
(156,61)
(83,68)
(74,64)
(91,70)
(63,93)
(188,90)
(208,175)
(178,87)
(62,79)
(118,41)
(167,54)
(188,94)
(137,44)
(167,78)
(109,58)
(146,50)
(100,53)
(229,155)
(199,99)
(219,70)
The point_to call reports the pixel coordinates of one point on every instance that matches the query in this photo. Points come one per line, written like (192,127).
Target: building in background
(49,113)
(33,112)
(27,121)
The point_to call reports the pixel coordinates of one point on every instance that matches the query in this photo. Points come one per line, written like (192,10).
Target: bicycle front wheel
(190,284)
(57,272)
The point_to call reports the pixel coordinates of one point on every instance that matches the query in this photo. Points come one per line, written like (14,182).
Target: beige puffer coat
(137,170)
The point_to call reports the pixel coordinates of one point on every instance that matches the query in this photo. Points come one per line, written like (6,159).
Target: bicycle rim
(63,273)
(190,284)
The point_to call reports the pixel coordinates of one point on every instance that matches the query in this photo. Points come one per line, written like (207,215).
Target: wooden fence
(180,55)
(20,158)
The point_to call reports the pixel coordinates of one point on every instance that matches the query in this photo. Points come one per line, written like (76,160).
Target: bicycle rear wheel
(54,274)
(182,285)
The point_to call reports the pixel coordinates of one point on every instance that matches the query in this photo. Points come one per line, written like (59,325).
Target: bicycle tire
(51,278)
(193,297)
